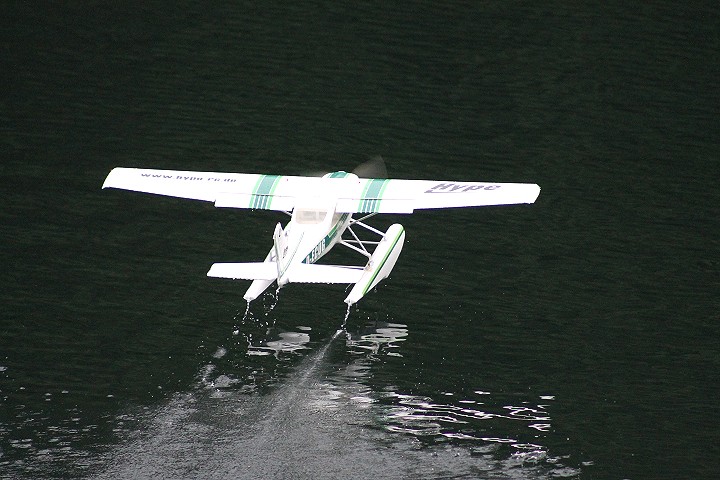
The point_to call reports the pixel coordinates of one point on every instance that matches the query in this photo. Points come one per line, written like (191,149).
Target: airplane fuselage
(312,231)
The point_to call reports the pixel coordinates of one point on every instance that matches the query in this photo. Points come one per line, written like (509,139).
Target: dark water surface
(577,337)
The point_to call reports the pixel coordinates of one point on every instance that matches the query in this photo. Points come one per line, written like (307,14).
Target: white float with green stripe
(381,263)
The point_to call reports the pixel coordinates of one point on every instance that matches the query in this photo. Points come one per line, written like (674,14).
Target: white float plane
(321,211)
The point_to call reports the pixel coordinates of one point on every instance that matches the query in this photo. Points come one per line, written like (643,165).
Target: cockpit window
(308,217)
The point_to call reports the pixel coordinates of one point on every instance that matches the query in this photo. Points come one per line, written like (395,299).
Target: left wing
(236,190)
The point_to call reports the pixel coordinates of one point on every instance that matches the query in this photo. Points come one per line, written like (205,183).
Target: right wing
(376,195)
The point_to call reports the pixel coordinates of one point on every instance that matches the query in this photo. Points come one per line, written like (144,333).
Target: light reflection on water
(266,379)
(288,342)
(382,338)
(465,422)
(326,414)
(431,420)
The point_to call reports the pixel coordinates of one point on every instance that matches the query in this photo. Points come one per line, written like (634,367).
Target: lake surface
(577,337)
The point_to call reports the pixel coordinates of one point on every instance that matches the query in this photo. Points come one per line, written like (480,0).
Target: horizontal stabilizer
(300,273)
(244,271)
(314,273)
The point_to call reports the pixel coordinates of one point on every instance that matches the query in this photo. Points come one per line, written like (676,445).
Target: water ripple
(467,420)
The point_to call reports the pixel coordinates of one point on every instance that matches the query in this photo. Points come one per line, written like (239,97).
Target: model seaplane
(321,213)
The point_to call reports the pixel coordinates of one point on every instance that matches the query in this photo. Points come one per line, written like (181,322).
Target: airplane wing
(234,190)
(352,194)
(404,196)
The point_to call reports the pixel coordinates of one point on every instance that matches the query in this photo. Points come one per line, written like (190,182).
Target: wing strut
(359,245)
(351,244)
(366,226)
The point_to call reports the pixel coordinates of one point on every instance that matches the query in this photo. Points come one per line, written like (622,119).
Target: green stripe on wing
(372,193)
(262,193)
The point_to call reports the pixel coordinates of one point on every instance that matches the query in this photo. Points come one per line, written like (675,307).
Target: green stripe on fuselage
(320,247)
(339,174)
(262,193)
(334,230)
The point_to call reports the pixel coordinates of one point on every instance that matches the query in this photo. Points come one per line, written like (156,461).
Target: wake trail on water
(312,424)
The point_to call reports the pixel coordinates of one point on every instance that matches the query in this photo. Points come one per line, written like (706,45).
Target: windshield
(306,217)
